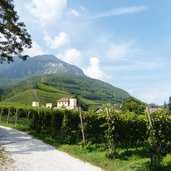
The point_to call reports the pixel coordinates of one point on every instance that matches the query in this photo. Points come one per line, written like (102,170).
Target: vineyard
(117,130)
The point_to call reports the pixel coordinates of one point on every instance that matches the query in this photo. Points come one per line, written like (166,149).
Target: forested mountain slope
(51,87)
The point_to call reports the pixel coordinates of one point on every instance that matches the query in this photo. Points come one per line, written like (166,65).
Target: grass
(90,91)
(18,97)
(49,88)
(4,158)
(44,94)
(98,158)
(2,154)
(4,103)
(130,160)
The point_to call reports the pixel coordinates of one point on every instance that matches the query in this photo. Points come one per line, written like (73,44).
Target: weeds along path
(29,154)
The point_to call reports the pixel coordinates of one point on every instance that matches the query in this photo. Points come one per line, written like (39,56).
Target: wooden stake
(82,125)
(28,116)
(149,116)
(108,113)
(16,116)
(1,116)
(8,115)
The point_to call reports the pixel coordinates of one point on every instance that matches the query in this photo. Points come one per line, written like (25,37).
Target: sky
(126,43)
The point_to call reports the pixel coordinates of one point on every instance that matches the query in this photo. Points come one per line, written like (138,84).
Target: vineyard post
(16,116)
(9,111)
(112,153)
(28,116)
(149,117)
(155,154)
(107,112)
(1,115)
(82,125)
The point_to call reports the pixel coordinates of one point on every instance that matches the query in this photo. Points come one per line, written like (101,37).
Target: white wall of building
(62,104)
(73,102)
(70,104)
(35,104)
(49,105)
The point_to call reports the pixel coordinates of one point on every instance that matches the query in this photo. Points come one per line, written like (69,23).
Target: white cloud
(82,8)
(120,51)
(60,40)
(72,56)
(137,66)
(47,11)
(35,50)
(155,94)
(115,50)
(94,61)
(149,98)
(74,13)
(94,70)
(130,91)
(121,11)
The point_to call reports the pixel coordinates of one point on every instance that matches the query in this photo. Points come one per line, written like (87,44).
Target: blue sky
(126,43)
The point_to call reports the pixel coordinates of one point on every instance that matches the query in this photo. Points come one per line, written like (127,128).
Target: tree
(81,104)
(13,34)
(165,105)
(133,105)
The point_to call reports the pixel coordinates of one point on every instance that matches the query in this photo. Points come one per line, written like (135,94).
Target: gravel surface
(29,154)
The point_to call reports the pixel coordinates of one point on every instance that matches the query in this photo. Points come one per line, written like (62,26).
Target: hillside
(49,88)
(45,78)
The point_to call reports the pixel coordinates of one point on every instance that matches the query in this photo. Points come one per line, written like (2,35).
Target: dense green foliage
(50,88)
(60,122)
(159,140)
(13,34)
(125,130)
(133,105)
(117,130)
(88,88)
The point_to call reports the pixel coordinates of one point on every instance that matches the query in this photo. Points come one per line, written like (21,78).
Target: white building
(62,103)
(49,105)
(35,104)
(68,103)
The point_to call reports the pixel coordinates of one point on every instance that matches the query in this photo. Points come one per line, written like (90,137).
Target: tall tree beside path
(13,33)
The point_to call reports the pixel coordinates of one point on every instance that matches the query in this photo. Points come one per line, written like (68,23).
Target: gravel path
(30,154)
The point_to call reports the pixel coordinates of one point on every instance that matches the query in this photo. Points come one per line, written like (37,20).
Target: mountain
(51,87)
(38,65)
(45,78)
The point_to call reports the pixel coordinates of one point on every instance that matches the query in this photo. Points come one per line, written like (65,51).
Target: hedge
(129,129)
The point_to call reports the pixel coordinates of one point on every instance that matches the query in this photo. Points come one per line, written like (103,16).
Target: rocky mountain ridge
(38,65)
